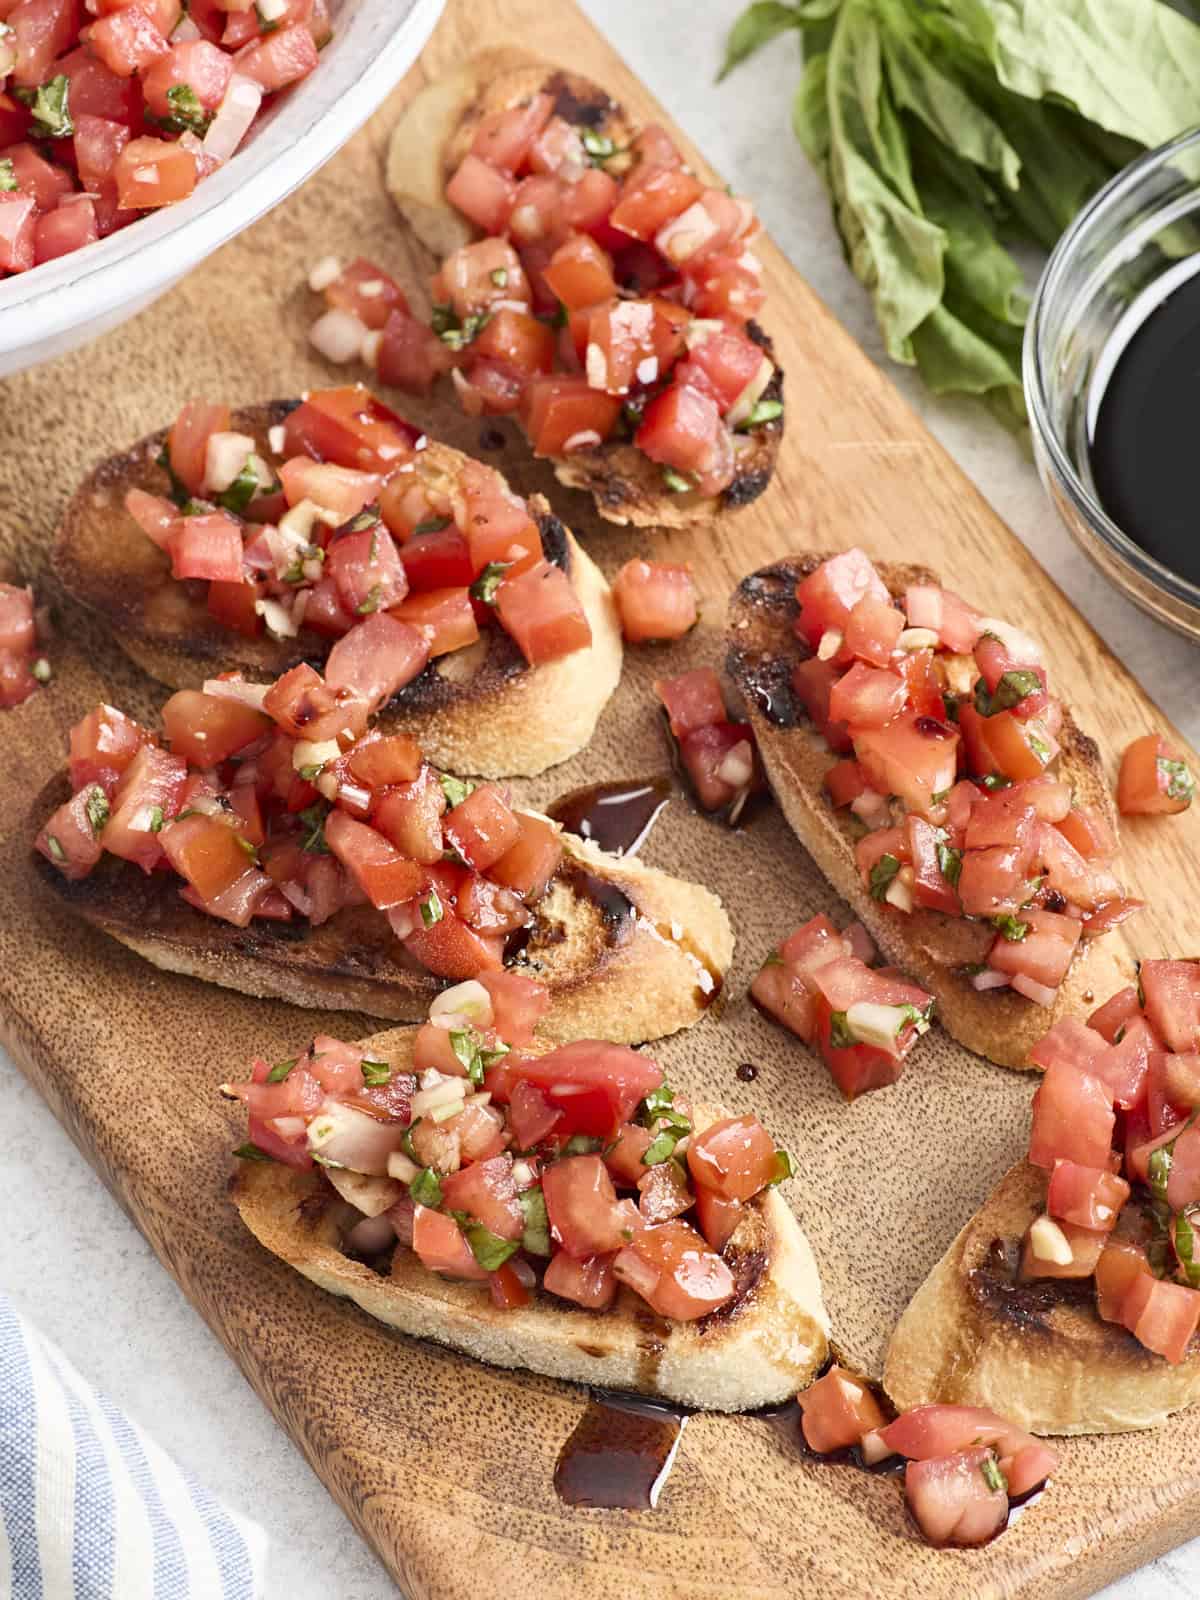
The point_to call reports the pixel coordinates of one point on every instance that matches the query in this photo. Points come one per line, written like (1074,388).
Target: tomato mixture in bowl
(110,108)
(577,1171)
(611,299)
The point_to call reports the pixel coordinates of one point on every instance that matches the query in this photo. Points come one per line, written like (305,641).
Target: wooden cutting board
(445,1466)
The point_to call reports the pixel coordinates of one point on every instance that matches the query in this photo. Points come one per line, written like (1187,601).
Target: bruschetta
(1071,1300)
(262,538)
(270,843)
(914,748)
(561,1212)
(589,283)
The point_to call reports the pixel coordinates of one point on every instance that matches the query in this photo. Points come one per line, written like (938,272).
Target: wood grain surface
(443,1465)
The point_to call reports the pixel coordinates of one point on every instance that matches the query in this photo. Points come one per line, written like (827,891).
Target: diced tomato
(561,413)
(531,861)
(504,138)
(367,293)
(1109,1018)
(187,442)
(146,794)
(1154,780)
(597,1086)
(845,782)
(1088,1197)
(682,429)
(734,1157)
(202,67)
(46,183)
(376,659)
(1088,831)
(655,600)
(542,612)
(486,1192)
(518,1004)
(872,629)
(282,57)
(383,874)
(580,273)
(1073,1119)
(365,565)
(689,1279)
(837,1410)
(438,560)
(68,228)
(953,1501)
(102,746)
(351,427)
(206,729)
(913,758)
(581,1203)
(483,194)
(410,356)
(692,700)
(442,1246)
(445,617)
(651,198)
(829,594)
(717,1217)
(392,759)
(663,1193)
(453,950)
(721,763)
(69,839)
(1172,990)
(531,1116)
(813,681)
(129,40)
(854,1068)
(18,230)
(234,606)
(1121,1261)
(410,815)
(867,697)
(1162,1315)
(931,888)
(1045,952)
(206,546)
(731,362)
(785,995)
(482,827)
(1003,744)
(506,1288)
(207,851)
(589,1282)
(726,286)
(624,1157)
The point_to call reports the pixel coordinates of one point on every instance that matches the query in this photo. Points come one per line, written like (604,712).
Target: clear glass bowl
(1136,241)
(65,303)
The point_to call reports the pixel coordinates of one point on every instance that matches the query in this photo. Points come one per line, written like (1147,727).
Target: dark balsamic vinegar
(1143,444)
(615,816)
(620,1453)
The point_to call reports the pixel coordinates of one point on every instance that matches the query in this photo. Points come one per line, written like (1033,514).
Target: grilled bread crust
(999,1024)
(434,133)
(480,710)
(759,1350)
(1038,1353)
(627,952)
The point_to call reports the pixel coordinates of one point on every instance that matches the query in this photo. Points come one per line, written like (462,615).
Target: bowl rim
(139,260)
(1057,269)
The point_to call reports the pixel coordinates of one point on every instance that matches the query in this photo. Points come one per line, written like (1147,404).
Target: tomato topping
(581,1203)
(837,1410)
(482,827)
(542,612)
(1153,781)
(589,1282)
(1172,990)
(442,1246)
(954,1499)
(1073,1119)
(655,600)
(683,1278)
(734,1157)
(562,413)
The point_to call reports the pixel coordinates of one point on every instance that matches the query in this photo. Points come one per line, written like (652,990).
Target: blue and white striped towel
(92,1509)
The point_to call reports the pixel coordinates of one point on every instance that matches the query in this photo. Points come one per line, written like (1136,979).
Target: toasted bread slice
(431,138)
(479,710)
(1036,1352)
(627,952)
(759,1350)
(932,948)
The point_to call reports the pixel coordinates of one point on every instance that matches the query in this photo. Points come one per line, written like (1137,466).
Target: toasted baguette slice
(431,138)
(759,1350)
(932,948)
(479,710)
(1037,1353)
(628,953)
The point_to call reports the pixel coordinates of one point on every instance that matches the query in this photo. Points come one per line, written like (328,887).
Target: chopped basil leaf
(373,551)
(490,1057)
(313,818)
(536,1237)
(1120,1034)
(1039,746)
(499,276)
(662,1148)
(176,491)
(455,789)
(993,1477)
(784,1168)
(431,909)
(1159,1170)
(51,111)
(371,603)
(920,1019)
(940,797)
(241,491)
(764,411)
(249,849)
(598,146)
(773,960)
(659,1102)
(882,873)
(186,115)
(465,1044)
(1180,785)
(280,1070)
(996,780)
(56,849)
(8,176)
(314,769)
(676,482)
(1012,688)
(328,1161)
(488,1248)
(425,1189)
(582,1144)
(1185,1249)
(1012,928)
(406,1144)
(41,667)
(375,1072)
(970,969)
(251,1152)
(950,702)
(950,861)
(559,319)
(432,525)
(368,517)
(456,335)
(442,318)
(158,820)
(485,585)
(840,1037)
(97,809)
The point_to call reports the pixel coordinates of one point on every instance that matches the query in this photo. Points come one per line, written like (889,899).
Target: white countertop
(68,1254)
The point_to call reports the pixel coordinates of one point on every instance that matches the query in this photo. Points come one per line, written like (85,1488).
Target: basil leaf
(1177,779)
(536,1237)
(265,24)
(1159,1170)
(241,491)
(676,482)
(582,1144)
(376,1072)
(97,808)
(456,790)
(1012,928)
(186,115)
(431,909)
(950,862)
(371,603)
(992,1475)
(657,1102)
(489,580)
(765,411)
(1012,688)
(757,26)
(157,820)
(56,849)
(882,873)
(499,276)
(488,1248)
(313,818)
(279,1072)
(8,176)
(432,525)
(425,1190)
(465,1044)
(662,1148)
(840,1037)
(51,109)
(996,780)
(251,1152)
(784,1168)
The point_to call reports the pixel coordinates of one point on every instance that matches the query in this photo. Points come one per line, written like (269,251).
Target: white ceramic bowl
(53,308)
